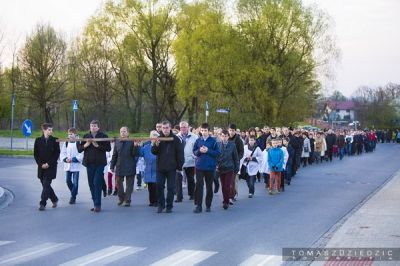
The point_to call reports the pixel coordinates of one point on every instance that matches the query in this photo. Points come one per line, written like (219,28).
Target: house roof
(341,105)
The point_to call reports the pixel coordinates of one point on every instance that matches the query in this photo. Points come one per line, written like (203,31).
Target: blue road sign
(75,105)
(223,110)
(27,128)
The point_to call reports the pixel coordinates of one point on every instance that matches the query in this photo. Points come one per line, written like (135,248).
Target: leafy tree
(43,69)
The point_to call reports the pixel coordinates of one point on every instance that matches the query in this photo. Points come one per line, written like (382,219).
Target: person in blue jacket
(150,173)
(275,164)
(207,151)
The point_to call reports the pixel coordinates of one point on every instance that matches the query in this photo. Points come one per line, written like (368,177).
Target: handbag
(243,170)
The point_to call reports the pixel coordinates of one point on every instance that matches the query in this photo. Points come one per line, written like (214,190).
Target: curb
(16,156)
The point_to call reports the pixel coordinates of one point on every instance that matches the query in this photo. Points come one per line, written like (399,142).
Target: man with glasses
(169,161)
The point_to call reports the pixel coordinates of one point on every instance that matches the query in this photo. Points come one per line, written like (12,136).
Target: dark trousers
(226,181)
(47,191)
(139,179)
(96,181)
(208,177)
(152,188)
(189,172)
(178,186)
(168,176)
(266,178)
(329,152)
(125,195)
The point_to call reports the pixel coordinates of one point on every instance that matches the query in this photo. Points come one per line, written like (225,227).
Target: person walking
(123,163)
(46,152)
(170,159)
(94,159)
(150,167)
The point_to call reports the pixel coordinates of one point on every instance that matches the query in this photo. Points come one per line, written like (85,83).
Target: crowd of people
(191,158)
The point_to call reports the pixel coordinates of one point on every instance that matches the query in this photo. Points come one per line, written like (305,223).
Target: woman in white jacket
(252,158)
(306,149)
(72,164)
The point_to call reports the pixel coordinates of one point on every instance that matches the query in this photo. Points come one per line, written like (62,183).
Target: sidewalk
(375,225)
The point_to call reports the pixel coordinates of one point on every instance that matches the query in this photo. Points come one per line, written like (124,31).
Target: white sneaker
(138,188)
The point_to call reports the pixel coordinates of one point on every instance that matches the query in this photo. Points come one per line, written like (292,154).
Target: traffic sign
(27,127)
(75,105)
(223,110)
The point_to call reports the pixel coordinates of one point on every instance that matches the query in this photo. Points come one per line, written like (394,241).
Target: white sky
(368,33)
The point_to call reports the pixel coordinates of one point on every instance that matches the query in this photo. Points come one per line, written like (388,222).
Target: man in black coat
(330,141)
(46,152)
(170,159)
(235,138)
(95,159)
(123,163)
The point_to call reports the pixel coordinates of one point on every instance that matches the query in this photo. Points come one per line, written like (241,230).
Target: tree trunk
(154,89)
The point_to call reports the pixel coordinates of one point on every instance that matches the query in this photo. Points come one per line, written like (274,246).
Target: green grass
(17,133)
(15,152)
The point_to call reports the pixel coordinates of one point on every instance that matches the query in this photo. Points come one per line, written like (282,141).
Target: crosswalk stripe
(260,260)
(184,258)
(33,253)
(104,256)
(2,243)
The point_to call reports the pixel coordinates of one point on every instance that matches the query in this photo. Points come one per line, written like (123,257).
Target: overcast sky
(368,33)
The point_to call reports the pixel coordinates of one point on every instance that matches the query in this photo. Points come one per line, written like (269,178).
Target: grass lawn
(15,152)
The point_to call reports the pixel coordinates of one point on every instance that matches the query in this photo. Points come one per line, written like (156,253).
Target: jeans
(47,191)
(95,175)
(72,182)
(348,149)
(168,176)
(341,152)
(250,183)
(208,177)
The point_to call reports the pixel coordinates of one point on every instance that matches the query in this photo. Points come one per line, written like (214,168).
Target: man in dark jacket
(123,163)
(95,159)
(206,150)
(235,138)
(330,141)
(170,159)
(46,152)
(228,165)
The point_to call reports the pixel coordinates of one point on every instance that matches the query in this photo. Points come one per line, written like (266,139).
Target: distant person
(46,152)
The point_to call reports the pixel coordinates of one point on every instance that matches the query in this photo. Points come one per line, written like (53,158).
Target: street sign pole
(207,112)
(12,118)
(74,109)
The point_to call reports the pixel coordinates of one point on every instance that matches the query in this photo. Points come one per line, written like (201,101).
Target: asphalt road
(252,231)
